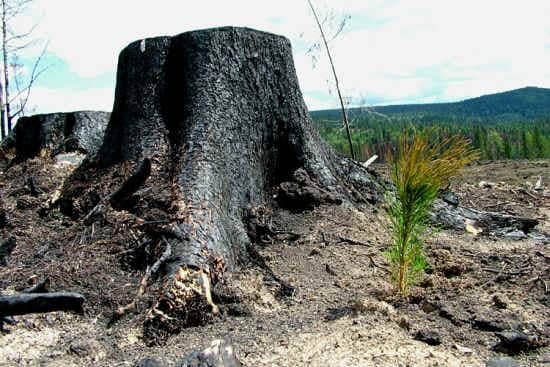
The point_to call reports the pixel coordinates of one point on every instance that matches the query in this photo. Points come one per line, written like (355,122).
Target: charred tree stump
(60,133)
(220,115)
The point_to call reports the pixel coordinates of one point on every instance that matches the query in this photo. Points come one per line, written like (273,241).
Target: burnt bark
(60,133)
(220,115)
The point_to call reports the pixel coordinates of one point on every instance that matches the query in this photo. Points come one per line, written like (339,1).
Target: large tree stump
(220,115)
(60,133)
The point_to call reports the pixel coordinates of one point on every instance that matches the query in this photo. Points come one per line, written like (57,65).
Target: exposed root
(186,302)
(121,311)
(117,198)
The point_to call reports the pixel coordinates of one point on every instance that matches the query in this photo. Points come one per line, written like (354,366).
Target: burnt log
(220,115)
(26,303)
(80,131)
(457,217)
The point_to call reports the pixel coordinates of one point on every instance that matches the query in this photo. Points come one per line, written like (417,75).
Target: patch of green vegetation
(496,140)
(421,167)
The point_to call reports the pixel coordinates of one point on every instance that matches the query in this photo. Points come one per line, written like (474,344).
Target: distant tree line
(495,140)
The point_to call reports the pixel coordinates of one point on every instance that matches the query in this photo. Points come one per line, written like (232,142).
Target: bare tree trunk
(2,84)
(6,66)
(2,113)
(344,113)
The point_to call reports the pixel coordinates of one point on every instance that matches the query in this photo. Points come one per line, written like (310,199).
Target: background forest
(509,125)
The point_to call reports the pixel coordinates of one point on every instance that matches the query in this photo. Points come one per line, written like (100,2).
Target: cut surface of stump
(220,115)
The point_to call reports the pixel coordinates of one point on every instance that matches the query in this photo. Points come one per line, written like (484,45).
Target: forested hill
(519,104)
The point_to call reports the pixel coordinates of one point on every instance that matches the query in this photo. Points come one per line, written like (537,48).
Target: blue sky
(390,51)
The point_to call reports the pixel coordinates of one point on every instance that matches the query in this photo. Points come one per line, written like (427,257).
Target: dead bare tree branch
(336,82)
(15,41)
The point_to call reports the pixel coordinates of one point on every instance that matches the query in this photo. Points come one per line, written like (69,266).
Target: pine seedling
(422,165)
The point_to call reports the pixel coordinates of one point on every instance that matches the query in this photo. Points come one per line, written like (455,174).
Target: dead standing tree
(15,82)
(220,116)
(334,74)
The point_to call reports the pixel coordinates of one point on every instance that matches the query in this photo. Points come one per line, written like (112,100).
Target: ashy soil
(337,308)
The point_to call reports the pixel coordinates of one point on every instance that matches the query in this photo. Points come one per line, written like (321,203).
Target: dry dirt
(342,311)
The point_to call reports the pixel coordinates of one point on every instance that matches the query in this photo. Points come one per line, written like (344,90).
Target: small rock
(80,349)
(502,362)
(499,301)
(149,362)
(428,337)
(471,228)
(404,323)
(314,252)
(450,198)
(515,234)
(486,184)
(429,307)
(329,270)
(463,350)
(221,353)
(426,282)
(513,342)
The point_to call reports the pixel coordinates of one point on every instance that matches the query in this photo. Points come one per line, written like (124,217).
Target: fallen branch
(353,241)
(523,191)
(121,311)
(25,303)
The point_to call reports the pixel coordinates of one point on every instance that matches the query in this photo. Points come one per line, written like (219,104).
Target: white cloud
(404,51)
(499,45)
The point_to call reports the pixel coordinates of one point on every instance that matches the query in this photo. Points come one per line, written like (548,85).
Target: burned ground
(315,292)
